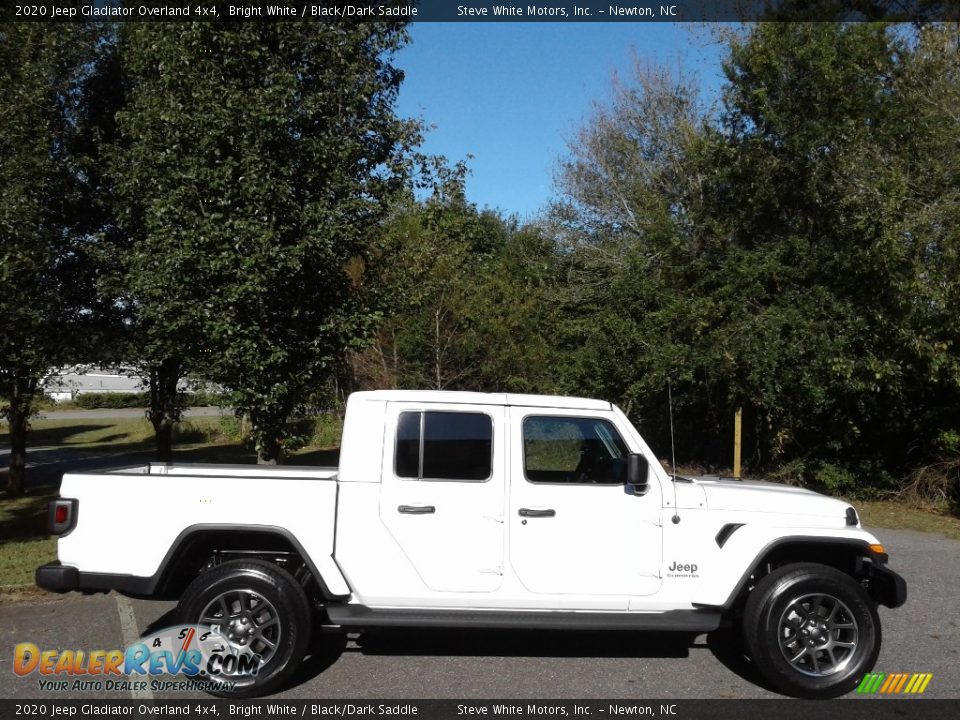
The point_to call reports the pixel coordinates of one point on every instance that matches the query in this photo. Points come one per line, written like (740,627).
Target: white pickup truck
(457,509)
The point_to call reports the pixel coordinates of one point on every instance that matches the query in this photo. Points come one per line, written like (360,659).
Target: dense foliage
(49,310)
(792,251)
(253,161)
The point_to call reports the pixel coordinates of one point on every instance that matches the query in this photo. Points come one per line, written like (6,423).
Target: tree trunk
(22,394)
(268,428)
(163,435)
(436,349)
(166,405)
(16,476)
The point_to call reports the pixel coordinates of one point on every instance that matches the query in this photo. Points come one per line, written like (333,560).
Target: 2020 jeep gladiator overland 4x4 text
(483,510)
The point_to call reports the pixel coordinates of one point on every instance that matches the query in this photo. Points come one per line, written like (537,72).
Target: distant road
(125,413)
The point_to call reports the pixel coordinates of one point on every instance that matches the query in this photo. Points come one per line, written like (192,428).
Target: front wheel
(811,630)
(258,609)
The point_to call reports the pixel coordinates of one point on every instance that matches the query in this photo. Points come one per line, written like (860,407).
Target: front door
(576,528)
(442,493)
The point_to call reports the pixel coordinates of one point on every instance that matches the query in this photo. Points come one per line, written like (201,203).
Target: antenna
(673,454)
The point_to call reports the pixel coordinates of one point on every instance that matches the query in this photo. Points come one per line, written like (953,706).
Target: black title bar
(206,707)
(481,10)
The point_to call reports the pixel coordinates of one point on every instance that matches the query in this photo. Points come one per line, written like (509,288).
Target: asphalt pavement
(922,636)
(135,413)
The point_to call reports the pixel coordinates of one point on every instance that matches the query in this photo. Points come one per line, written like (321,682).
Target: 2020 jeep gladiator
(484,510)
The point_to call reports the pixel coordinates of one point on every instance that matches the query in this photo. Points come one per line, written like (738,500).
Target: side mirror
(638,470)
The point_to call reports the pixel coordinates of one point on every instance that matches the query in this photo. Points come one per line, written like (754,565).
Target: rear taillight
(62,517)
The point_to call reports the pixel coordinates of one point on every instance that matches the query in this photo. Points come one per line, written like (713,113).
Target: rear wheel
(260,610)
(811,630)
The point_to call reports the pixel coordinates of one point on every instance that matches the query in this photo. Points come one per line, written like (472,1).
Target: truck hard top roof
(477,398)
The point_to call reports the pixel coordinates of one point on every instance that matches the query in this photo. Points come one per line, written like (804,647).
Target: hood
(762,496)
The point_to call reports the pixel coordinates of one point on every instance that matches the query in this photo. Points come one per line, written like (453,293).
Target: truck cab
(502,501)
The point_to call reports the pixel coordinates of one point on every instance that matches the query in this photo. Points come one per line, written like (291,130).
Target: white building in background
(66,383)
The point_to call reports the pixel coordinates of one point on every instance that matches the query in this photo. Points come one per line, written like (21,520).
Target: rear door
(576,527)
(443,490)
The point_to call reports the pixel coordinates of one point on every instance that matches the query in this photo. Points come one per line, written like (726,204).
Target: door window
(444,446)
(573,450)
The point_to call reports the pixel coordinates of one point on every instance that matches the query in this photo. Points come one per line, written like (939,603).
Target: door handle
(416,509)
(527,512)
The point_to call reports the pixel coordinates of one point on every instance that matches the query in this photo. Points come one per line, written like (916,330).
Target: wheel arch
(851,556)
(191,550)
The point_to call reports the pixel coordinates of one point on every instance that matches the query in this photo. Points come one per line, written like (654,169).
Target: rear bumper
(58,578)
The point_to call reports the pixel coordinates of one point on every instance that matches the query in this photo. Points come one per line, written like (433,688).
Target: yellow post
(736,443)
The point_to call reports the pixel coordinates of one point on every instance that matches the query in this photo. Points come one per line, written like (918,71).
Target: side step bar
(681,620)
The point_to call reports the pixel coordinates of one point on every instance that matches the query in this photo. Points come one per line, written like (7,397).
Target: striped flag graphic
(894,683)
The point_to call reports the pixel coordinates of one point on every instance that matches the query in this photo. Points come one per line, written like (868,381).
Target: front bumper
(886,586)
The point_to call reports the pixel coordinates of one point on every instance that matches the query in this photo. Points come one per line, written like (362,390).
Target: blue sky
(513,94)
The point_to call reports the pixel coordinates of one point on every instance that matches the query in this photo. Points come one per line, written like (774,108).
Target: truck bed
(130,520)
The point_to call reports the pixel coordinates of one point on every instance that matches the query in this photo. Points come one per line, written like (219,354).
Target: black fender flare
(59,578)
(885,586)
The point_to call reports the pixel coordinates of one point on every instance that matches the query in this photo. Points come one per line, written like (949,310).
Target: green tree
(254,163)
(625,228)
(462,296)
(794,254)
(430,256)
(48,310)
(825,259)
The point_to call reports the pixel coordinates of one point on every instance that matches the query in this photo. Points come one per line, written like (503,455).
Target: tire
(272,608)
(811,631)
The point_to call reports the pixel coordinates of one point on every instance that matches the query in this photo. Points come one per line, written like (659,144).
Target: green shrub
(320,430)
(791,473)
(327,430)
(231,428)
(206,399)
(948,442)
(188,432)
(835,479)
(297,434)
(90,401)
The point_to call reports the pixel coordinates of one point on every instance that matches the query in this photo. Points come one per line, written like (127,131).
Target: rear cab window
(442,445)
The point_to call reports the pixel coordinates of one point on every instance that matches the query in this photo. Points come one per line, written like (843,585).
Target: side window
(407,462)
(573,450)
(444,446)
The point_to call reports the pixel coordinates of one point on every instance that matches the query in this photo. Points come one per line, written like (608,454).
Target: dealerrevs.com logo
(199,659)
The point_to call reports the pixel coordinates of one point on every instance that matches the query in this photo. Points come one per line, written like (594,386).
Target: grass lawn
(897,516)
(19,559)
(24,543)
(117,434)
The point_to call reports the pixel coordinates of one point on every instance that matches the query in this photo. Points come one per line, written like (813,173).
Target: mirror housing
(638,472)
